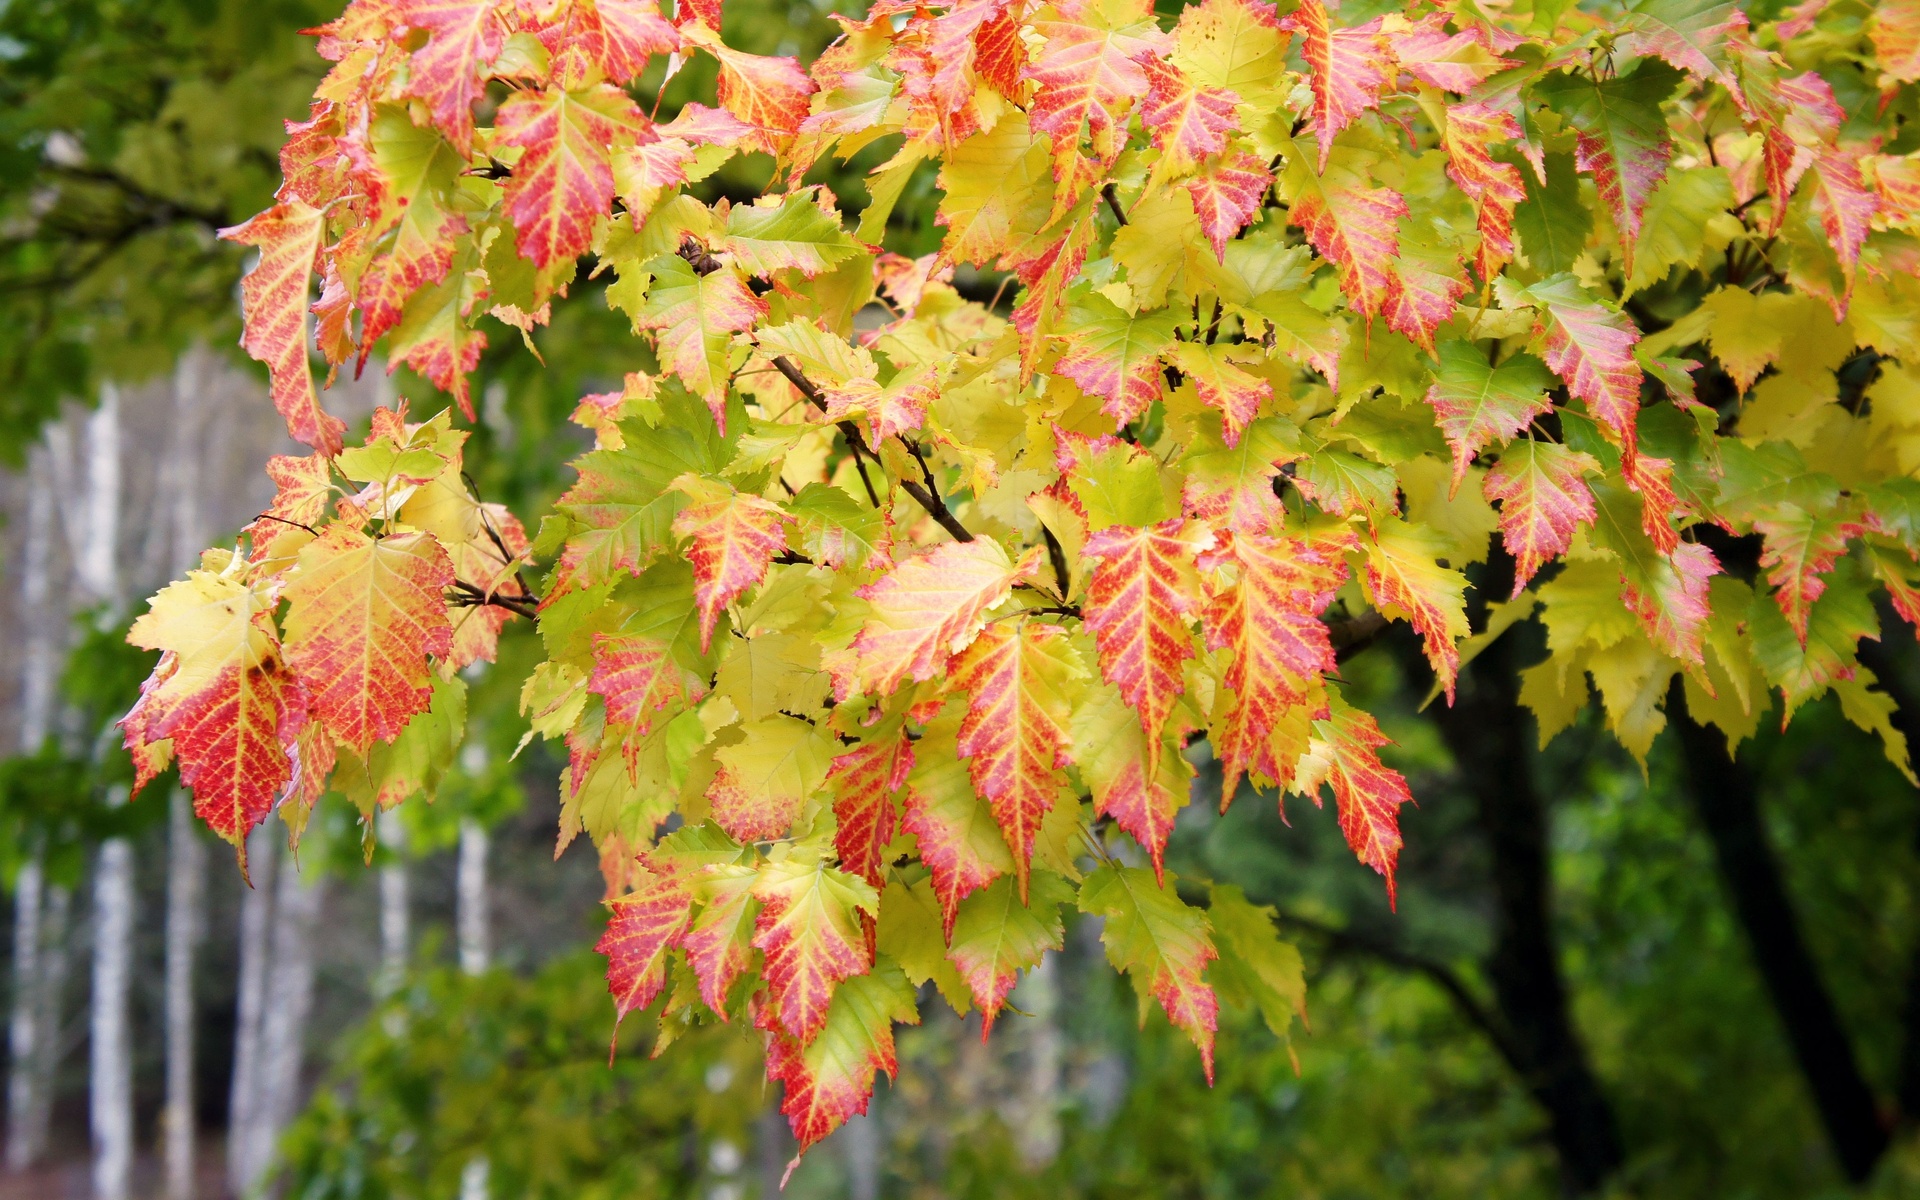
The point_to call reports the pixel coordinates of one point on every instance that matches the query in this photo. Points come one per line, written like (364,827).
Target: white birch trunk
(50,1006)
(21,1026)
(110,1077)
(471,888)
(860,1143)
(256,912)
(186,852)
(110,1066)
(289,1001)
(186,873)
(36,709)
(471,918)
(395,922)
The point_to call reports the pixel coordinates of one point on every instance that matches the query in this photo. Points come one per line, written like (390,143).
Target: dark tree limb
(1879,658)
(1727,800)
(1448,980)
(1491,742)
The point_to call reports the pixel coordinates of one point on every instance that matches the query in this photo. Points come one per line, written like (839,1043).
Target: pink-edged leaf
(1141,596)
(1798,549)
(1348,69)
(1227,193)
(1590,347)
(864,782)
(564,180)
(1345,752)
(930,607)
(274,296)
(731,539)
(1543,500)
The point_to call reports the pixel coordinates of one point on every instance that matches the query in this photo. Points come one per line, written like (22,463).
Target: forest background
(434,1026)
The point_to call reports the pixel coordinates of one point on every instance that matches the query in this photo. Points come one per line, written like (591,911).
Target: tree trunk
(289,1001)
(471,918)
(21,1027)
(1489,738)
(186,873)
(472,897)
(38,656)
(110,1065)
(256,912)
(394,914)
(50,1006)
(110,1075)
(1727,800)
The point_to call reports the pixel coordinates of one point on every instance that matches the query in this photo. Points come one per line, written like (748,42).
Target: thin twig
(928,494)
(861,452)
(1113,203)
(469,596)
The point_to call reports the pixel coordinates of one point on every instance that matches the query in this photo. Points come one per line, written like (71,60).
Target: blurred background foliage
(130,130)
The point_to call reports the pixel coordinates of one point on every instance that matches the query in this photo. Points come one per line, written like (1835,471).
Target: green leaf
(1255,967)
(1552,222)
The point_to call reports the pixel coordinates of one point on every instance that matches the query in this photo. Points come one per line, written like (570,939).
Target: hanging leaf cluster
(899,609)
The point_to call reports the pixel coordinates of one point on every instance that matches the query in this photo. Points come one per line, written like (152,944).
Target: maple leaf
(222,696)
(694,317)
(719,943)
(768,94)
(1667,591)
(1188,122)
(764,779)
(613,38)
(1405,578)
(1895,30)
(931,607)
(1014,736)
(1141,795)
(1495,188)
(1116,356)
(274,295)
(999,191)
(1231,487)
(1151,934)
(641,928)
(1590,347)
(564,180)
(1846,206)
(864,782)
(1620,136)
(959,839)
(450,71)
(1543,500)
(1140,597)
(830,1079)
(362,617)
(1222,384)
(1227,192)
(1453,62)
(1689,34)
(1368,793)
(797,234)
(1477,404)
(1269,618)
(900,407)
(1798,549)
(732,539)
(637,677)
(1087,76)
(809,930)
(1357,229)
(413,227)
(1000,934)
(1349,68)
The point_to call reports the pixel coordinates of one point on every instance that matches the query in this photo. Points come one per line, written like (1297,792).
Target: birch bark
(256,914)
(41,624)
(186,874)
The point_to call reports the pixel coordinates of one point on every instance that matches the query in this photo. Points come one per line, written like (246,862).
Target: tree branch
(466,595)
(1351,636)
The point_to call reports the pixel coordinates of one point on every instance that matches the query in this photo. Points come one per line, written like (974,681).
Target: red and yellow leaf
(274,295)
(810,930)
(1368,793)
(1266,612)
(1141,596)
(563,182)
(732,540)
(1349,68)
(931,607)
(362,617)
(1543,500)
(1405,579)
(864,782)
(1590,347)
(1019,680)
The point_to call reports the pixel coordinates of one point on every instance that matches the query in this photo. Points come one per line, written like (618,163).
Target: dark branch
(466,595)
(928,494)
(1351,636)
(1113,203)
(861,451)
(1346,941)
